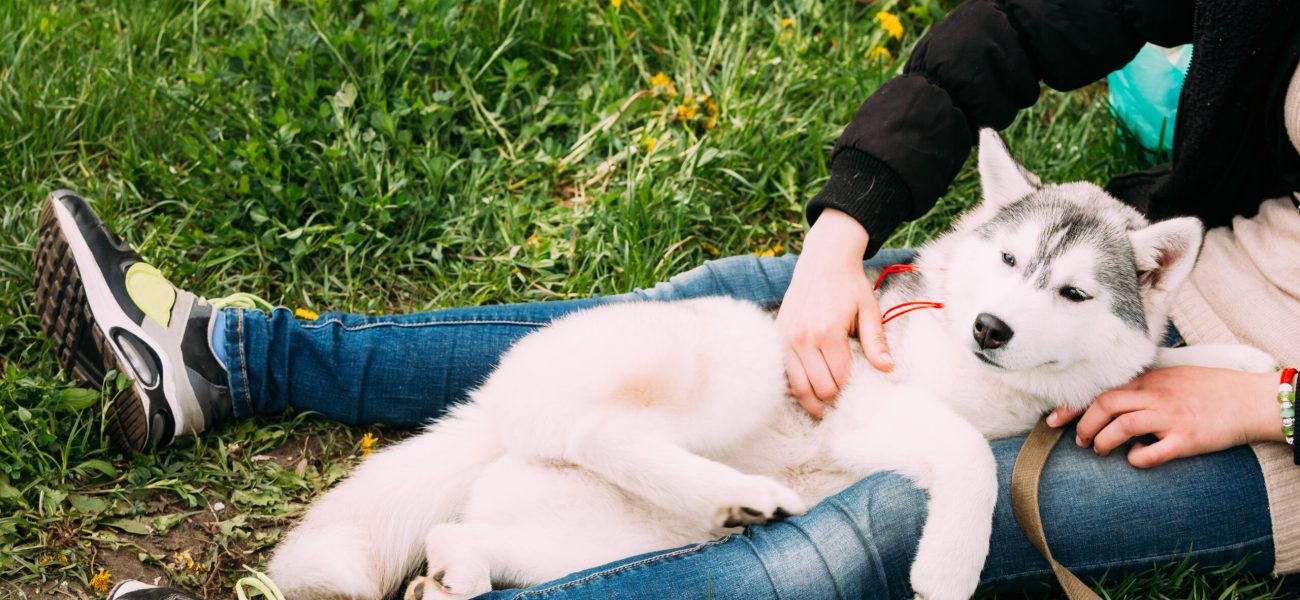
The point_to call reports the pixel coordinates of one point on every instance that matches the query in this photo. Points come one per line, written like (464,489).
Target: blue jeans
(1102,516)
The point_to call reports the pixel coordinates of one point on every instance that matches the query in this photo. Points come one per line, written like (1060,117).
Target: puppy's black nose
(991,332)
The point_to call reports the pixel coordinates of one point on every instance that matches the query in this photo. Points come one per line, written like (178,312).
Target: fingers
(1124,428)
(818,365)
(816,375)
(1143,456)
(801,389)
(839,361)
(1105,409)
(1063,415)
(872,335)
(819,374)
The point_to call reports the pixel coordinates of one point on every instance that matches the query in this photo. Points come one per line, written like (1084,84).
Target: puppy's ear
(1165,252)
(1004,180)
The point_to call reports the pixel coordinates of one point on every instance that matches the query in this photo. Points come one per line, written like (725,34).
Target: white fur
(636,427)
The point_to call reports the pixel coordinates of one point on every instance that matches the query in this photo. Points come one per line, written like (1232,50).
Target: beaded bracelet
(1286,401)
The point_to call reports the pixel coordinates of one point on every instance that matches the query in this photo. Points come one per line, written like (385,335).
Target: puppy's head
(1061,281)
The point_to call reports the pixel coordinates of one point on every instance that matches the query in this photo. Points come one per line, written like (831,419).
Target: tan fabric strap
(1024,503)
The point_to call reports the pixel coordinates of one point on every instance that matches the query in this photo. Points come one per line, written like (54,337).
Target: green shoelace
(241,300)
(258,583)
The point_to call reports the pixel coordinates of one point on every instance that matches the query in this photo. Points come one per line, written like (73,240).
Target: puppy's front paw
(755,500)
(1238,357)
(1251,360)
(942,572)
(938,584)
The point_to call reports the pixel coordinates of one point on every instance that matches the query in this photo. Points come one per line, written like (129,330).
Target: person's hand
(829,299)
(1192,410)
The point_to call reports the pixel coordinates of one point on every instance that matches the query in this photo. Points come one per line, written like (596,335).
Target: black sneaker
(254,585)
(104,308)
(139,590)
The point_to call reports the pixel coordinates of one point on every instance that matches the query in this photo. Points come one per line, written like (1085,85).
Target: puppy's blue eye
(1008,259)
(1074,294)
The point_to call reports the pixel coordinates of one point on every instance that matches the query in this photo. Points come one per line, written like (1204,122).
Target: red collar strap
(890,270)
(899,310)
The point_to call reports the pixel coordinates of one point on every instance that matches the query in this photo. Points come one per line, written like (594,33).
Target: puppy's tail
(362,538)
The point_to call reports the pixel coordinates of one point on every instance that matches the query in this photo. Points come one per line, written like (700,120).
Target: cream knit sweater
(1246,288)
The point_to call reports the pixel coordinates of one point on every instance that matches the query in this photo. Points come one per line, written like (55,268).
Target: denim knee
(759,279)
(858,543)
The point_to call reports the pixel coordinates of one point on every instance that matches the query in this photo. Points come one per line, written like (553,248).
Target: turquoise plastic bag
(1144,95)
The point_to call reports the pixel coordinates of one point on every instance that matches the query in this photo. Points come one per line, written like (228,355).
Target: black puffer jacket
(986,59)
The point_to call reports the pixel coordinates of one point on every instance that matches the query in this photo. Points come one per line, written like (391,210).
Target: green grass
(404,156)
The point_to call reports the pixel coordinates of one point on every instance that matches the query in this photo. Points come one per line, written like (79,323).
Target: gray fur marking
(1070,225)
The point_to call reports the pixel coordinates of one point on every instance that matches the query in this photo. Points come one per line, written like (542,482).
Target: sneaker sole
(79,343)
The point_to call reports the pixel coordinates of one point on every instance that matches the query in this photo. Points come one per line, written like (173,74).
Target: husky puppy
(635,427)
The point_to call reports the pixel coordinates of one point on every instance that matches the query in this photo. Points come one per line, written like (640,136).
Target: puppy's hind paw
(758,500)
(415,589)
(740,516)
(449,582)
(325,562)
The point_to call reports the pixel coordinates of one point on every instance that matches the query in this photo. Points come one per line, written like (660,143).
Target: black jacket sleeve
(976,68)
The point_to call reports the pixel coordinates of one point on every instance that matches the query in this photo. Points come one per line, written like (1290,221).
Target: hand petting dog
(1192,410)
(829,299)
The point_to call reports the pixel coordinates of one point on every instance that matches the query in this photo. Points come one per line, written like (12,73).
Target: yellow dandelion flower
(712,108)
(773,251)
(370,440)
(710,248)
(662,83)
(100,581)
(880,53)
(303,313)
(891,24)
(686,110)
(183,560)
(649,143)
(45,560)
(616,3)
(787,23)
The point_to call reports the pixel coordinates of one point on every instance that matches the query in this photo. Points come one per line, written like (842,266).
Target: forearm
(838,235)
(976,68)
(867,191)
